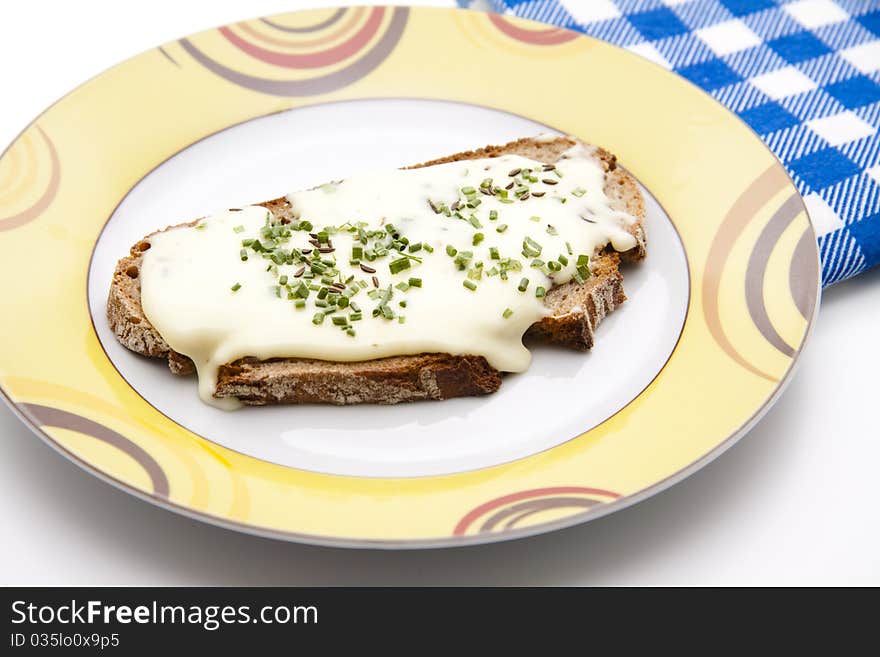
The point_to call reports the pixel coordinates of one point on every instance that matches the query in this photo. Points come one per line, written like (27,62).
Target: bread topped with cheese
(391,287)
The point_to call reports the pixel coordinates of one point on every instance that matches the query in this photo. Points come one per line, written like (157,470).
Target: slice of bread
(576,311)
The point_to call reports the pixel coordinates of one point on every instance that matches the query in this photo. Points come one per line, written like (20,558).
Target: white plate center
(563,394)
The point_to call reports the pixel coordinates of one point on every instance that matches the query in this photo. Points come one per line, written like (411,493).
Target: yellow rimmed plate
(717,316)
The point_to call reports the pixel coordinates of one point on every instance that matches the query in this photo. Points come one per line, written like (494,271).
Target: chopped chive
(415,282)
(583,267)
(554,265)
(540,292)
(238,229)
(478,237)
(339,320)
(501,228)
(300,303)
(428,248)
(463,258)
(451,250)
(562,259)
(318,318)
(493,253)
(243,254)
(530,248)
(535,218)
(469,284)
(468,191)
(523,285)
(351,332)
(569,249)
(397,266)
(493,215)
(410,257)
(507,313)
(401,320)
(236,287)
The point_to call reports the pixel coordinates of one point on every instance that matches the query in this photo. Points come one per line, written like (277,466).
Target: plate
(717,314)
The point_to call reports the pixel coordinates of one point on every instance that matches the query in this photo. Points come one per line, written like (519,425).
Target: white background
(795,502)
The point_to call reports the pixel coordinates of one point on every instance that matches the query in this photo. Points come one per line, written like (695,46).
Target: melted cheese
(188,274)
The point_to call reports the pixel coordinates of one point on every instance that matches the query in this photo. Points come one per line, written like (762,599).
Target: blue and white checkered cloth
(804,74)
